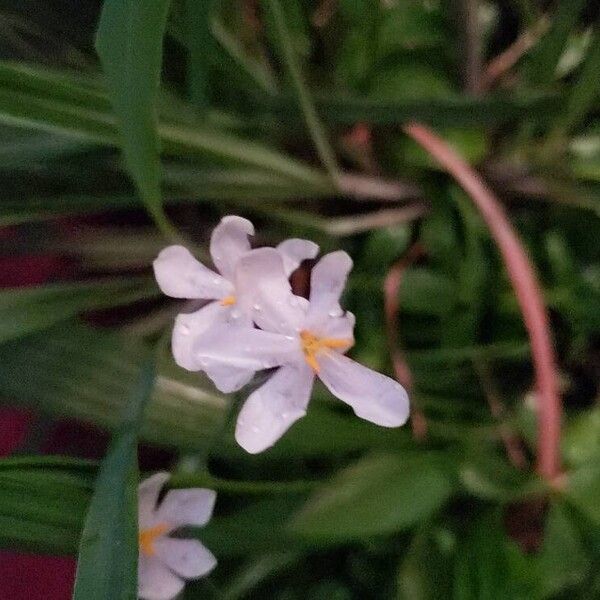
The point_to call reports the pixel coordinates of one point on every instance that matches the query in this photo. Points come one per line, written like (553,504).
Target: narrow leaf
(108,553)
(129,42)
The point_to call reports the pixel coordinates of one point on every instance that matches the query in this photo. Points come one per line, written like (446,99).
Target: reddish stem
(391,288)
(527,291)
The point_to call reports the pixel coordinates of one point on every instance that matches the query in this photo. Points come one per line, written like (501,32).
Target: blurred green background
(290,113)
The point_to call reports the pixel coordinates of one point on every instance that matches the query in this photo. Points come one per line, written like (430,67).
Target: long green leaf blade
(129,42)
(108,555)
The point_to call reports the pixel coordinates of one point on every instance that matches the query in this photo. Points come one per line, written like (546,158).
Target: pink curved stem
(527,291)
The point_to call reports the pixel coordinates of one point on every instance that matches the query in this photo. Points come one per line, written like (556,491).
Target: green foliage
(263,109)
(109,536)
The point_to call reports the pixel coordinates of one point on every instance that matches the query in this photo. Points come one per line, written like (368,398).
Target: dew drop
(335,312)
(257,307)
(184,329)
(289,337)
(216,280)
(235,314)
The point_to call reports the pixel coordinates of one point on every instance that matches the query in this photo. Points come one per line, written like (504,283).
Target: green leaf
(426,569)
(77,371)
(377,495)
(26,310)
(541,66)
(43,503)
(491,567)
(562,557)
(582,490)
(129,42)
(108,553)
(580,440)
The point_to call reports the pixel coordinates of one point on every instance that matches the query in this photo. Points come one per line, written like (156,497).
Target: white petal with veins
(251,349)
(274,407)
(371,395)
(180,275)
(327,282)
(261,279)
(192,506)
(156,581)
(148,492)
(187,558)
(228,242)
(294,251)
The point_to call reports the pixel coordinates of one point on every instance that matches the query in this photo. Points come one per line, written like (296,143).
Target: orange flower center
(312,345)
(147,537)
(228,301)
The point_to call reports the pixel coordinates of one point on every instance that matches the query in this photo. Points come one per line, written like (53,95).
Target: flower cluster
(253,321)
(165,562)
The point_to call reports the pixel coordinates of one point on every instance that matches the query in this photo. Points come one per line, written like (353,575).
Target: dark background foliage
(338,509)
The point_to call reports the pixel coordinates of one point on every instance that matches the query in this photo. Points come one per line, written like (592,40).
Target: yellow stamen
(312,345)
(228,300)
(147,537)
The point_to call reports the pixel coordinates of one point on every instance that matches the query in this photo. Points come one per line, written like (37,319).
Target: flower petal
(188,558)
(180,275)
(228,242)
(262,284)
(327,282)
(148,492)
(190,327)
(250,349)
(272,409)
(228,379)
(294,251)
(192,506)
(372,396)
(338,327)
(156,581)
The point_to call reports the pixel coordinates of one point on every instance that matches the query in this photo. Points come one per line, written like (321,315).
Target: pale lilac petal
(180,275)
(156,581)
(229,241)
(250,349)
(372,396)
(228,379)
(191,327)
(148,492)
(192,506)
(188,558)
(294,251)
(327,282)
(272,409)
(338,327)
(262,284)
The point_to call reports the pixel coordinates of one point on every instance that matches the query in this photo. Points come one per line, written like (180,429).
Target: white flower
(304,338)
(164,562)
(180,275)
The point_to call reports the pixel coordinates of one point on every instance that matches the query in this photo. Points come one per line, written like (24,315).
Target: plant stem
(527,291)
(314,124)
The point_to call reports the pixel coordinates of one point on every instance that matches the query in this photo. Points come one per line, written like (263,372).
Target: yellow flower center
(228,300)
(147,537)
(312,345)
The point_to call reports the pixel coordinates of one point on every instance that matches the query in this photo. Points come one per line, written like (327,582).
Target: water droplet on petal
(257,307)
(216,280)
(289,337)
(235,314)
(335,312)
(184,329)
